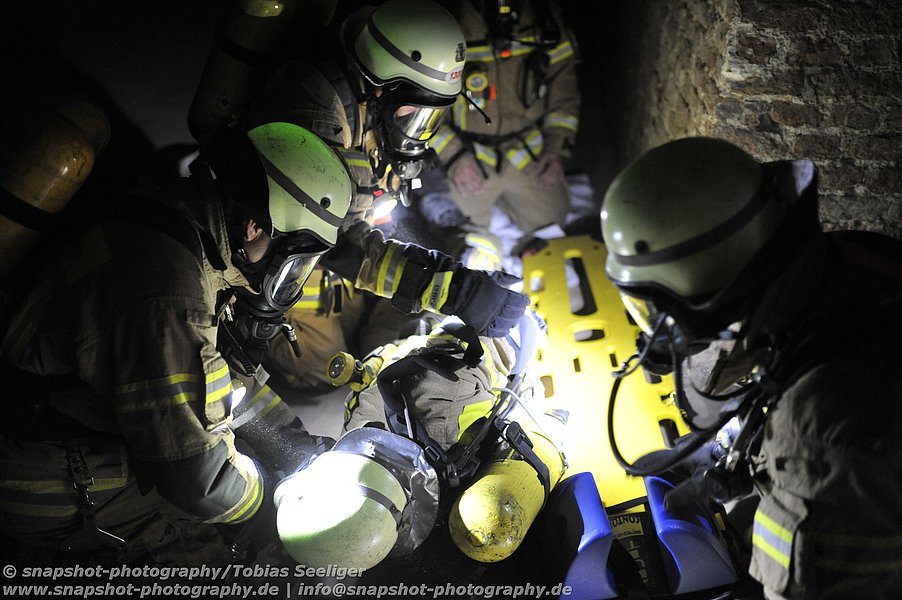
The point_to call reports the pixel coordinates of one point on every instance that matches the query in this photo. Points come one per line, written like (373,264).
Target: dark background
(144,60)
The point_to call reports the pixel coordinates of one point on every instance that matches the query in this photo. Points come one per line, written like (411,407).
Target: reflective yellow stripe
(130,388)
(264,401)
(220,373)
(772,539)
(383,269)
(173,390)
(562,120)
(250,507)
(313,297)
(442,139)
(459,112)
(353,158)
(562,51)
(490,365)
(390,270)
(157,393)
(155,403)
(351,404)
(484,255)
(479,53)
(773,527)
(872,542)
(764,545)
(437,291)
(485,154)
(519,156)
(862,554)
(219,384)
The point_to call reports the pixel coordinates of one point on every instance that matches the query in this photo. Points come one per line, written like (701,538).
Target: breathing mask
(406,118)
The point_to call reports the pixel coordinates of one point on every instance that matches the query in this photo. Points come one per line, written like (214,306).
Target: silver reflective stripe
(771,538)
(262,402)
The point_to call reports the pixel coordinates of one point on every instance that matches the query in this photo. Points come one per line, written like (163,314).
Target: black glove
(483,301)
(480,299)
(282,449)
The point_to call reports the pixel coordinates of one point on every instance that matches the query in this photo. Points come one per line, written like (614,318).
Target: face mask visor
(284,288)
(410,118)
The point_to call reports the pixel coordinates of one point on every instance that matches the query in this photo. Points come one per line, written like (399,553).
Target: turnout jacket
(831,520)
(128,312)
(530,93)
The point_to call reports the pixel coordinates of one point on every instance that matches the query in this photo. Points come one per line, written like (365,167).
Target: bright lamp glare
(384,208)
(238,392)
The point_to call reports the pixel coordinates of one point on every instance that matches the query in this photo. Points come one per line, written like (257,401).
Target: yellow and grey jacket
(446,408)
(531,95)
(129,310)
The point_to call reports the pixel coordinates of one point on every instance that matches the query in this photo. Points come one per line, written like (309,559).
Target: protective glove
(433,281)
(278,439)
(483,301)
(283,450)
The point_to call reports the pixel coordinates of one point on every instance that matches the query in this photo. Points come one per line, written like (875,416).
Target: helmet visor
(283,289)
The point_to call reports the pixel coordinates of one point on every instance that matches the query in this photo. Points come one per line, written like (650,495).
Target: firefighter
(120,435)
(718,254)
(512,132)
(379,93)
(439,408)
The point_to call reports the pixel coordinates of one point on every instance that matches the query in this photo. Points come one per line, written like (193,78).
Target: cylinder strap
(22,212)
(239,52)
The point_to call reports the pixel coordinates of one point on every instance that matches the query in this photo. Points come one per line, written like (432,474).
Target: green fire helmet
(413,41)
(344,509)
(309,187)
(373,494)
(686,217)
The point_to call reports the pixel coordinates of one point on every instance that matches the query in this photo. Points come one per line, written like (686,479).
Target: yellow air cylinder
(44,160)
(241,56)
(491,517)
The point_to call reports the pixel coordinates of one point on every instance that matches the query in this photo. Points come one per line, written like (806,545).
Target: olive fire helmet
(371,495)
(413,51)
(682,222)
(412,41)
(295,188)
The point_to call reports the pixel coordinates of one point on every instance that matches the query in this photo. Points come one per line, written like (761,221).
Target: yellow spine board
(491,517)
(589,335)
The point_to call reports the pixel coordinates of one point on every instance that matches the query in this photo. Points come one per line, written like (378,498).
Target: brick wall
(818,79)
